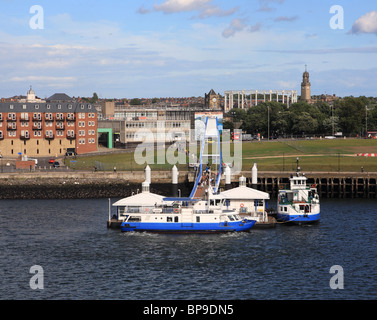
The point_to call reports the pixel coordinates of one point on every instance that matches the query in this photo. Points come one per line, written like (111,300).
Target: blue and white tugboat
(298,204)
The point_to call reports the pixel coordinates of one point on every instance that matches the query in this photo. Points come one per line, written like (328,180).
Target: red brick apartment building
(42,129)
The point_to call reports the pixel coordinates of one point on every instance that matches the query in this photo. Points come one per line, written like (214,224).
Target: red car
(51,161)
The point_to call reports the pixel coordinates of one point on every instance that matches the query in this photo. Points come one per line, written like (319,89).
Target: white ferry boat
(298,204)
(178,215)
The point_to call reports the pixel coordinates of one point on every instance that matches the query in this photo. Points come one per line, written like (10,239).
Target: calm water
(82,259)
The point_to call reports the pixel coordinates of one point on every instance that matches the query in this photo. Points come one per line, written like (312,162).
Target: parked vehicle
(56,164)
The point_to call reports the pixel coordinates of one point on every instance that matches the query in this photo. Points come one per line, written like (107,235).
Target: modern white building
(248,98)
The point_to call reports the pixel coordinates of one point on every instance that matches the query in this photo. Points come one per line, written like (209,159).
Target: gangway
(206,177)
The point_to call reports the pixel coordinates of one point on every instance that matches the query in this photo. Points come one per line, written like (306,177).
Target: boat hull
(188,227)
(299,218)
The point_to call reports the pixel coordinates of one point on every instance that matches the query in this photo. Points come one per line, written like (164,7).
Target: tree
(228,125)
(351,112)
(93,99)
(304,123)
(135,102)
(238,115)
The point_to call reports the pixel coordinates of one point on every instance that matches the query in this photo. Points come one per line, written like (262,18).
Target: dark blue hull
(299,219)
(188,227)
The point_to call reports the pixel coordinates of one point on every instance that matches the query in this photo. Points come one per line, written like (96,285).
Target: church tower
(212,100)
(306,86)
(30,97)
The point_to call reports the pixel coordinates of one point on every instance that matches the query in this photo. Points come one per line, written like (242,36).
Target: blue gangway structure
(208,160)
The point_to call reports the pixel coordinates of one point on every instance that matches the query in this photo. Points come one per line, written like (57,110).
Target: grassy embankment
(315,155)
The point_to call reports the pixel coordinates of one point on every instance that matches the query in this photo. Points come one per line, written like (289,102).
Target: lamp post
(366,121)
(268,121)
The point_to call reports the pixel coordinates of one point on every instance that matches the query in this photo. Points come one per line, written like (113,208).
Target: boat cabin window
(133,209)
(134,219)
(169,219)
(175,219)
(216,202)
(197,219)
(231,218)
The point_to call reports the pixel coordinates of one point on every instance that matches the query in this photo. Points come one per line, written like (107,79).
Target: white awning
(141,200)
(245,193)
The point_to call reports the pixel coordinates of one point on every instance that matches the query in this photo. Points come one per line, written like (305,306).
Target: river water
(82,259)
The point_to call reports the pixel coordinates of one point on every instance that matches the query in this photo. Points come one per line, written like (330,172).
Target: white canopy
(141,200)
(245,193)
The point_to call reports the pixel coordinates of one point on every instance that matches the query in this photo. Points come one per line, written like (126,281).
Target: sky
(183,48)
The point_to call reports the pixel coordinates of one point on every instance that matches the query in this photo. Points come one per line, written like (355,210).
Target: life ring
(176,210)
(242,205)
(314,186)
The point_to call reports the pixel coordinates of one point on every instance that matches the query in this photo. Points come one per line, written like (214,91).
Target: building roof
(53,107)
(245,193)
(60,97)
(141,200)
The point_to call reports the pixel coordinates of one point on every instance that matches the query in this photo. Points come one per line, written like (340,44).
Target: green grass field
(314,155)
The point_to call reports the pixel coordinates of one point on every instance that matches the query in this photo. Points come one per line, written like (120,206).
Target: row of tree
(351,116)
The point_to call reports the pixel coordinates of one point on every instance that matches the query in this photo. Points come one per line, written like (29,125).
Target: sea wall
(80,185)
(89,185)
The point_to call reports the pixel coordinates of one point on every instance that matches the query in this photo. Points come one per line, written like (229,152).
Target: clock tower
(212,100)
(305,86)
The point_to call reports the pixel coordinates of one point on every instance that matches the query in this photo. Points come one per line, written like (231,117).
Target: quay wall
(83,185)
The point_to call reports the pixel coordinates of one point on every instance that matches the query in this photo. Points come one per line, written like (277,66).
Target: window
(175,219)
(169,219)
(197,219)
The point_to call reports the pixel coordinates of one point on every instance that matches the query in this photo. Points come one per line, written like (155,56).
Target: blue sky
(177,48)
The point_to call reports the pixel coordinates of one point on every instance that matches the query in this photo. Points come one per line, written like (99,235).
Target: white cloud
(265,5)
(206,8)
(171,6)
(286,19)
(366,24)
(239,25)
